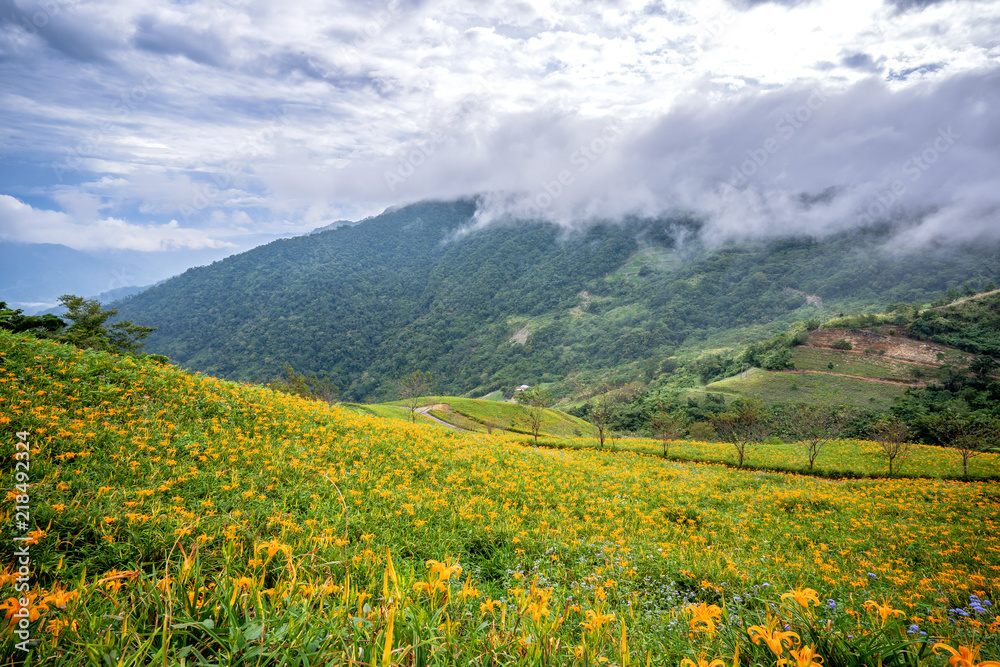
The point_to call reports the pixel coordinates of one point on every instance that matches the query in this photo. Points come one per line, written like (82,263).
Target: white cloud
(22,223)
(254,118)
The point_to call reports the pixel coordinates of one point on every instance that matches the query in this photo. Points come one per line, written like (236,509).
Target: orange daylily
(965,656)
(803,596)
(703,617)
(13,606)
(60,597)
(776,640)
(595,621)
(804,657)
(273,547)
(702,663)
(884,610)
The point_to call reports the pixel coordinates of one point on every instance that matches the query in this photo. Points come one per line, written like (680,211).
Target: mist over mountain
(422,287)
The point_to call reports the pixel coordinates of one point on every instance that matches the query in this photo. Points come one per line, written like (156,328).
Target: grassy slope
(482,415)
(809,388)
(178,515)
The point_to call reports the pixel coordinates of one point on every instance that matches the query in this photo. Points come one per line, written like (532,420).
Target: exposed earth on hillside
(896,347)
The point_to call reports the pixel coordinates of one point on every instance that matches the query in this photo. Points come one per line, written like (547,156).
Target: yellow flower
(965,657)
(468,590)
(703,617)
(595,620)
(884,610)
(775,639)
(804,657)
(802,596)
(686,662)
(13,606)
(487,607)
(443,571)
(60,597)
(273,547)
(57,625)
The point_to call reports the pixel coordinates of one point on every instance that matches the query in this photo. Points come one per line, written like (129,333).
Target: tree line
(85,324)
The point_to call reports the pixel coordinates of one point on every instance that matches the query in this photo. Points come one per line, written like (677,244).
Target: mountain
(34,275)
(420,287)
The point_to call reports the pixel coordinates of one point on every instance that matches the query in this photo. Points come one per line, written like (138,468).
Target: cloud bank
(206,125)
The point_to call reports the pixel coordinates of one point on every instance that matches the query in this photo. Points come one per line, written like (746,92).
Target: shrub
(841,344)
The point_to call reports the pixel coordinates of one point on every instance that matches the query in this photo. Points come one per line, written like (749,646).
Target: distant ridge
(368,302)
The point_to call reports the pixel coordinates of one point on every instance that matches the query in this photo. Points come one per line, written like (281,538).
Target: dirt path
(968,298)
(425,411)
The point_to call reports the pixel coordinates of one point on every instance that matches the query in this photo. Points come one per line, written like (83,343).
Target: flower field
(180,519)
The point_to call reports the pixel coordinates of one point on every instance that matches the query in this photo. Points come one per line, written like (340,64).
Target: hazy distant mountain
(34,275)
(515,303)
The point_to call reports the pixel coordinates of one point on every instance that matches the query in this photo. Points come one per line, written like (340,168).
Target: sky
(175,133)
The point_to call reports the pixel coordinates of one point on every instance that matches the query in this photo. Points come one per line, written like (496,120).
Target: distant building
(523,387)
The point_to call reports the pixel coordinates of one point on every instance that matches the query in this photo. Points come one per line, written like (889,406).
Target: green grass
(476,414)
(852,363)
(385,410)
(658,259)
(810,388)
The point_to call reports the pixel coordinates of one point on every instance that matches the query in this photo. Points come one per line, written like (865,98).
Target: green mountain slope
(515,303)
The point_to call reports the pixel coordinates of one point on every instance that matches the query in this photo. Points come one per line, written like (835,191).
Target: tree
(742,426)
(412,387)
(603,410)
(954,369)
(535,401)
(18,322)
(668,424)
(815,426)
(89,327)
(307,386)
(983,365)
(893,436)
(969,433)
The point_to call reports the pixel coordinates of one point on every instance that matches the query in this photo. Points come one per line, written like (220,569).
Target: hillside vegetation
(520,302)
(179,517)
(861,370)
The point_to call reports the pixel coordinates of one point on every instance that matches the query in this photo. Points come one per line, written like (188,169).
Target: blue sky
(186,131)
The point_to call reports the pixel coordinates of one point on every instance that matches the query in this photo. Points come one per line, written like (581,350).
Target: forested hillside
(513,303)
